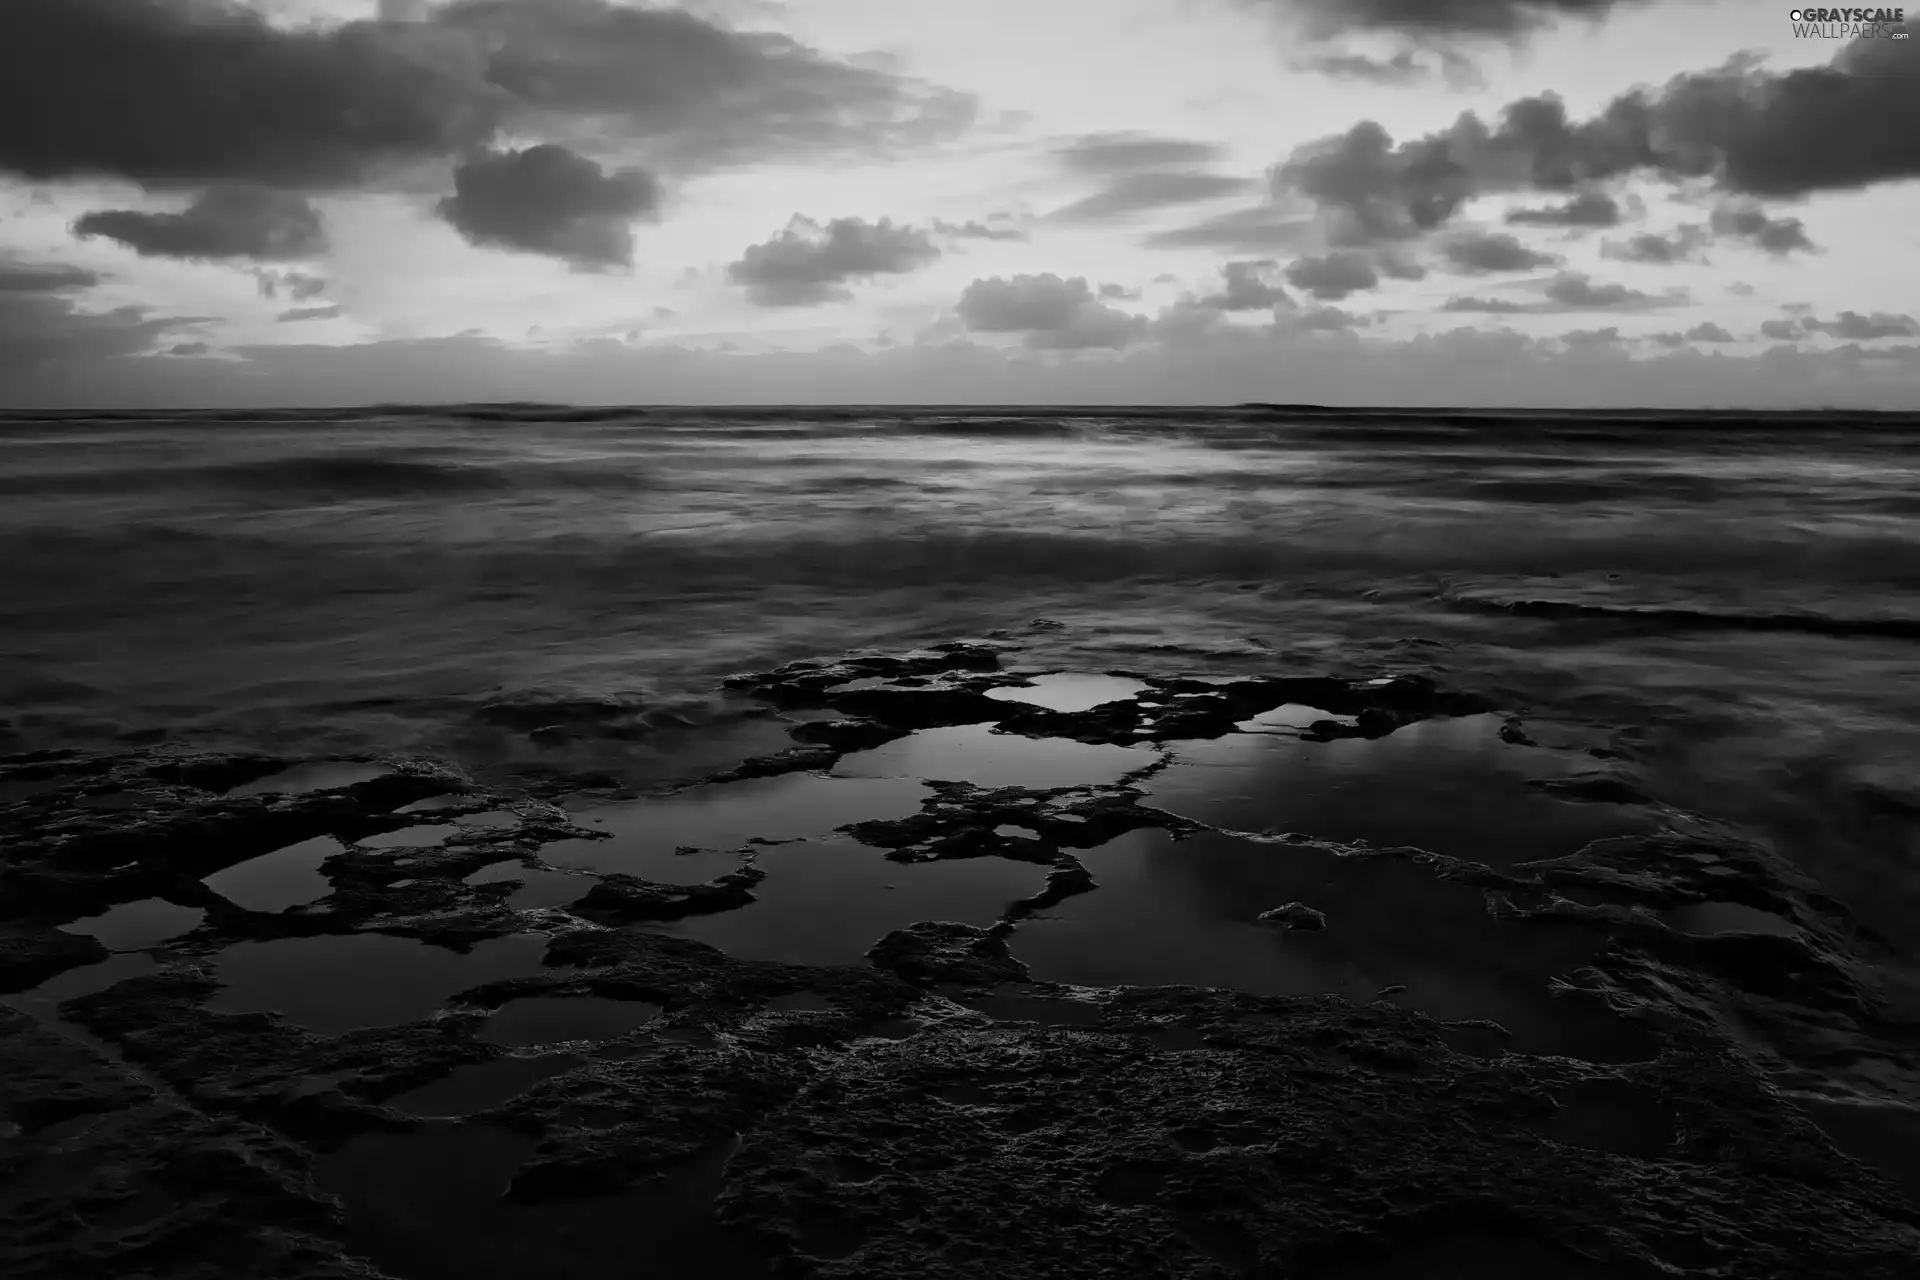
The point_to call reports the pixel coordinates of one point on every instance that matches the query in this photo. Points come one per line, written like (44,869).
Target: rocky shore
(268,1017)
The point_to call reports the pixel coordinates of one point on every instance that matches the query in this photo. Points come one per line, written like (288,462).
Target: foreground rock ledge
(867,1121)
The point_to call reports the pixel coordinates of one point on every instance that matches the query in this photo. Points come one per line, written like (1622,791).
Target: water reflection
(829,902)
(1170,912)
(725,816)
(1448,786)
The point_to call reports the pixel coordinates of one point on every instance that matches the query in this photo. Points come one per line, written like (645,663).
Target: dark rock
(934,953)
(622,899)
(29,959)
(1295,915)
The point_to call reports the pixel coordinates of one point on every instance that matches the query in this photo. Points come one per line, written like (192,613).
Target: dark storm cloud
(1749,222)
(1050,313)
(1332,276)
(550,200)
(1109,154)
(1782,330)
(1588,209)
(1482,252)
(1652,249)
(1854,327)
(1751,130)
(1441,18)
(1374,189)
(1138,192)
(1579,293)
(809,262)
(703,92)
(1247,288)
(231,221)
(41,324)
(194,92)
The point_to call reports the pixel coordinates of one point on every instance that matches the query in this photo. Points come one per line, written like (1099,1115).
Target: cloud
(1373,189)
(1502,19)
(1322,320)
(1591,339)
(1481,252)
(809,263)
(229,221)
(1748,130)
(1332,276)
(550,200)
(1138,192)
(1854,327)
(1779,236)
(1782,330)
(1578,292)
(1487,306)
(42,327)
(1587,209)
(44,277)
(976,230)
(1109,154)
(196,92)
(298,285)
(1261,229)
(1247,288)
(1051,313)
(1684,245)
(1708,331)
(1407,66)
(299,314)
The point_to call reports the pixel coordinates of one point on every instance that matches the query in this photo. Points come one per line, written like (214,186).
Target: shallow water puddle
(492,819)
(724,816)
(430,1205)
(1069,691)
(540,887)
(481,1086)
(1448,786)
(135,926)
(974,753)
(1389,922)
(339,983)
(559,1019)
(43,1001)
(411,837)
(828,902)
(319,775)
(1704,919)
(272,882)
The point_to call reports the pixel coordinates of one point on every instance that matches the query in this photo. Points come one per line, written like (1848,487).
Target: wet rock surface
(569,1088)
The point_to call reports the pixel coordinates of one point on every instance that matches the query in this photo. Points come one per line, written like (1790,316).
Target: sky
(1555,203)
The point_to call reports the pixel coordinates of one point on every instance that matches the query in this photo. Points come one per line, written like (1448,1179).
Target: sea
(1738,594)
